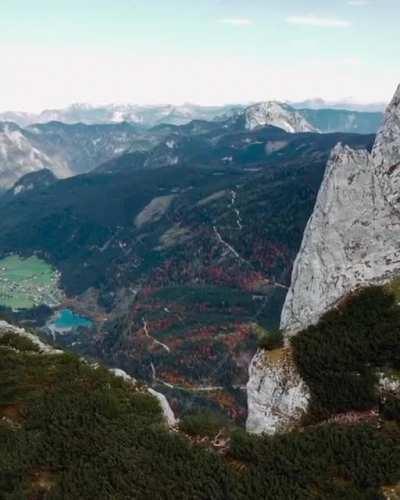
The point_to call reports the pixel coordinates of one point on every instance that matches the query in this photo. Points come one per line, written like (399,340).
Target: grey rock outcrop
(353,236)
(386,153)
(351,240)
(277,396)
(168,414)
(7,328)
(278,115)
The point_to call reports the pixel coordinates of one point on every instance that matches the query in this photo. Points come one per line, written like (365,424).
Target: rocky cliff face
(352,239)
(277,397)
(353,236)
(278,115)
(386,153)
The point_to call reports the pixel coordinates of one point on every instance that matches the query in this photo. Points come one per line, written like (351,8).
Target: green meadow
(27,282)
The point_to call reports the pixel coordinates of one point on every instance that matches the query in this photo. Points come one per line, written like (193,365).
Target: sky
(56,52)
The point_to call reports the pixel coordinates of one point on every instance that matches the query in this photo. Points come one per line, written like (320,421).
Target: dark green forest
(342,356)
(70,431)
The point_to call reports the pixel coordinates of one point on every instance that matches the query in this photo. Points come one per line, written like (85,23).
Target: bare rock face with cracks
(352,239)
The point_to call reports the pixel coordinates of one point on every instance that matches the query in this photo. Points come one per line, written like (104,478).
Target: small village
(28,283)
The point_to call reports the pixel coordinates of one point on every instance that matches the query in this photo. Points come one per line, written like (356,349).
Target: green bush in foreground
(202,424)
(391,409)
(325,462)
(340,357)
(74,432)
(22,344)
(271,340)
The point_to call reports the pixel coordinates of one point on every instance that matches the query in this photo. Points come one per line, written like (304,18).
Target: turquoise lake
(68,320)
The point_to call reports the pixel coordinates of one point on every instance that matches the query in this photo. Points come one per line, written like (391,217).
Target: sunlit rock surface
(277,397)
(166,409)
(353,236)
(276,114)
(351,240)
(7,328)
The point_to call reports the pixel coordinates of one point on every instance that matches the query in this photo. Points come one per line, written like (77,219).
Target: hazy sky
(54,52)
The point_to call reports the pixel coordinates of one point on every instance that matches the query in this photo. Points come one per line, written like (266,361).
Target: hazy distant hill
(349,105)
(339,120)
(334,118)
(116,113)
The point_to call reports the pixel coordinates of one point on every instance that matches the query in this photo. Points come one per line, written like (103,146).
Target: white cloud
(352,61)
(237,21)
(34,77)
(320,22)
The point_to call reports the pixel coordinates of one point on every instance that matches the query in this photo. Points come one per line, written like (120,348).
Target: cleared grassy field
(26,283)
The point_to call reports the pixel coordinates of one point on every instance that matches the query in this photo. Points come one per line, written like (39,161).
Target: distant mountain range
(349,105)
(68,148)
(150,116)
(339,120)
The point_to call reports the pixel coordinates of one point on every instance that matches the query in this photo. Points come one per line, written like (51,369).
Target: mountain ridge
(364,120)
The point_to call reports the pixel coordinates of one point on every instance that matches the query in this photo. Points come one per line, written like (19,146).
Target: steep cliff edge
(277,396)
(353,236)
(352,239)
(386,153)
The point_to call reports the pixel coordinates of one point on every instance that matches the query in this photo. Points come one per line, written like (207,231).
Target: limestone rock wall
(277,397)
(351,240)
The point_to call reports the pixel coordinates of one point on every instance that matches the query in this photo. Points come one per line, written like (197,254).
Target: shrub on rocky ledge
(271,340)
(341,356)
(204,424)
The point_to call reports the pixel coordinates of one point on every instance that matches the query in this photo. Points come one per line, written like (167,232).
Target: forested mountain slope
(70,430)
(181,266)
